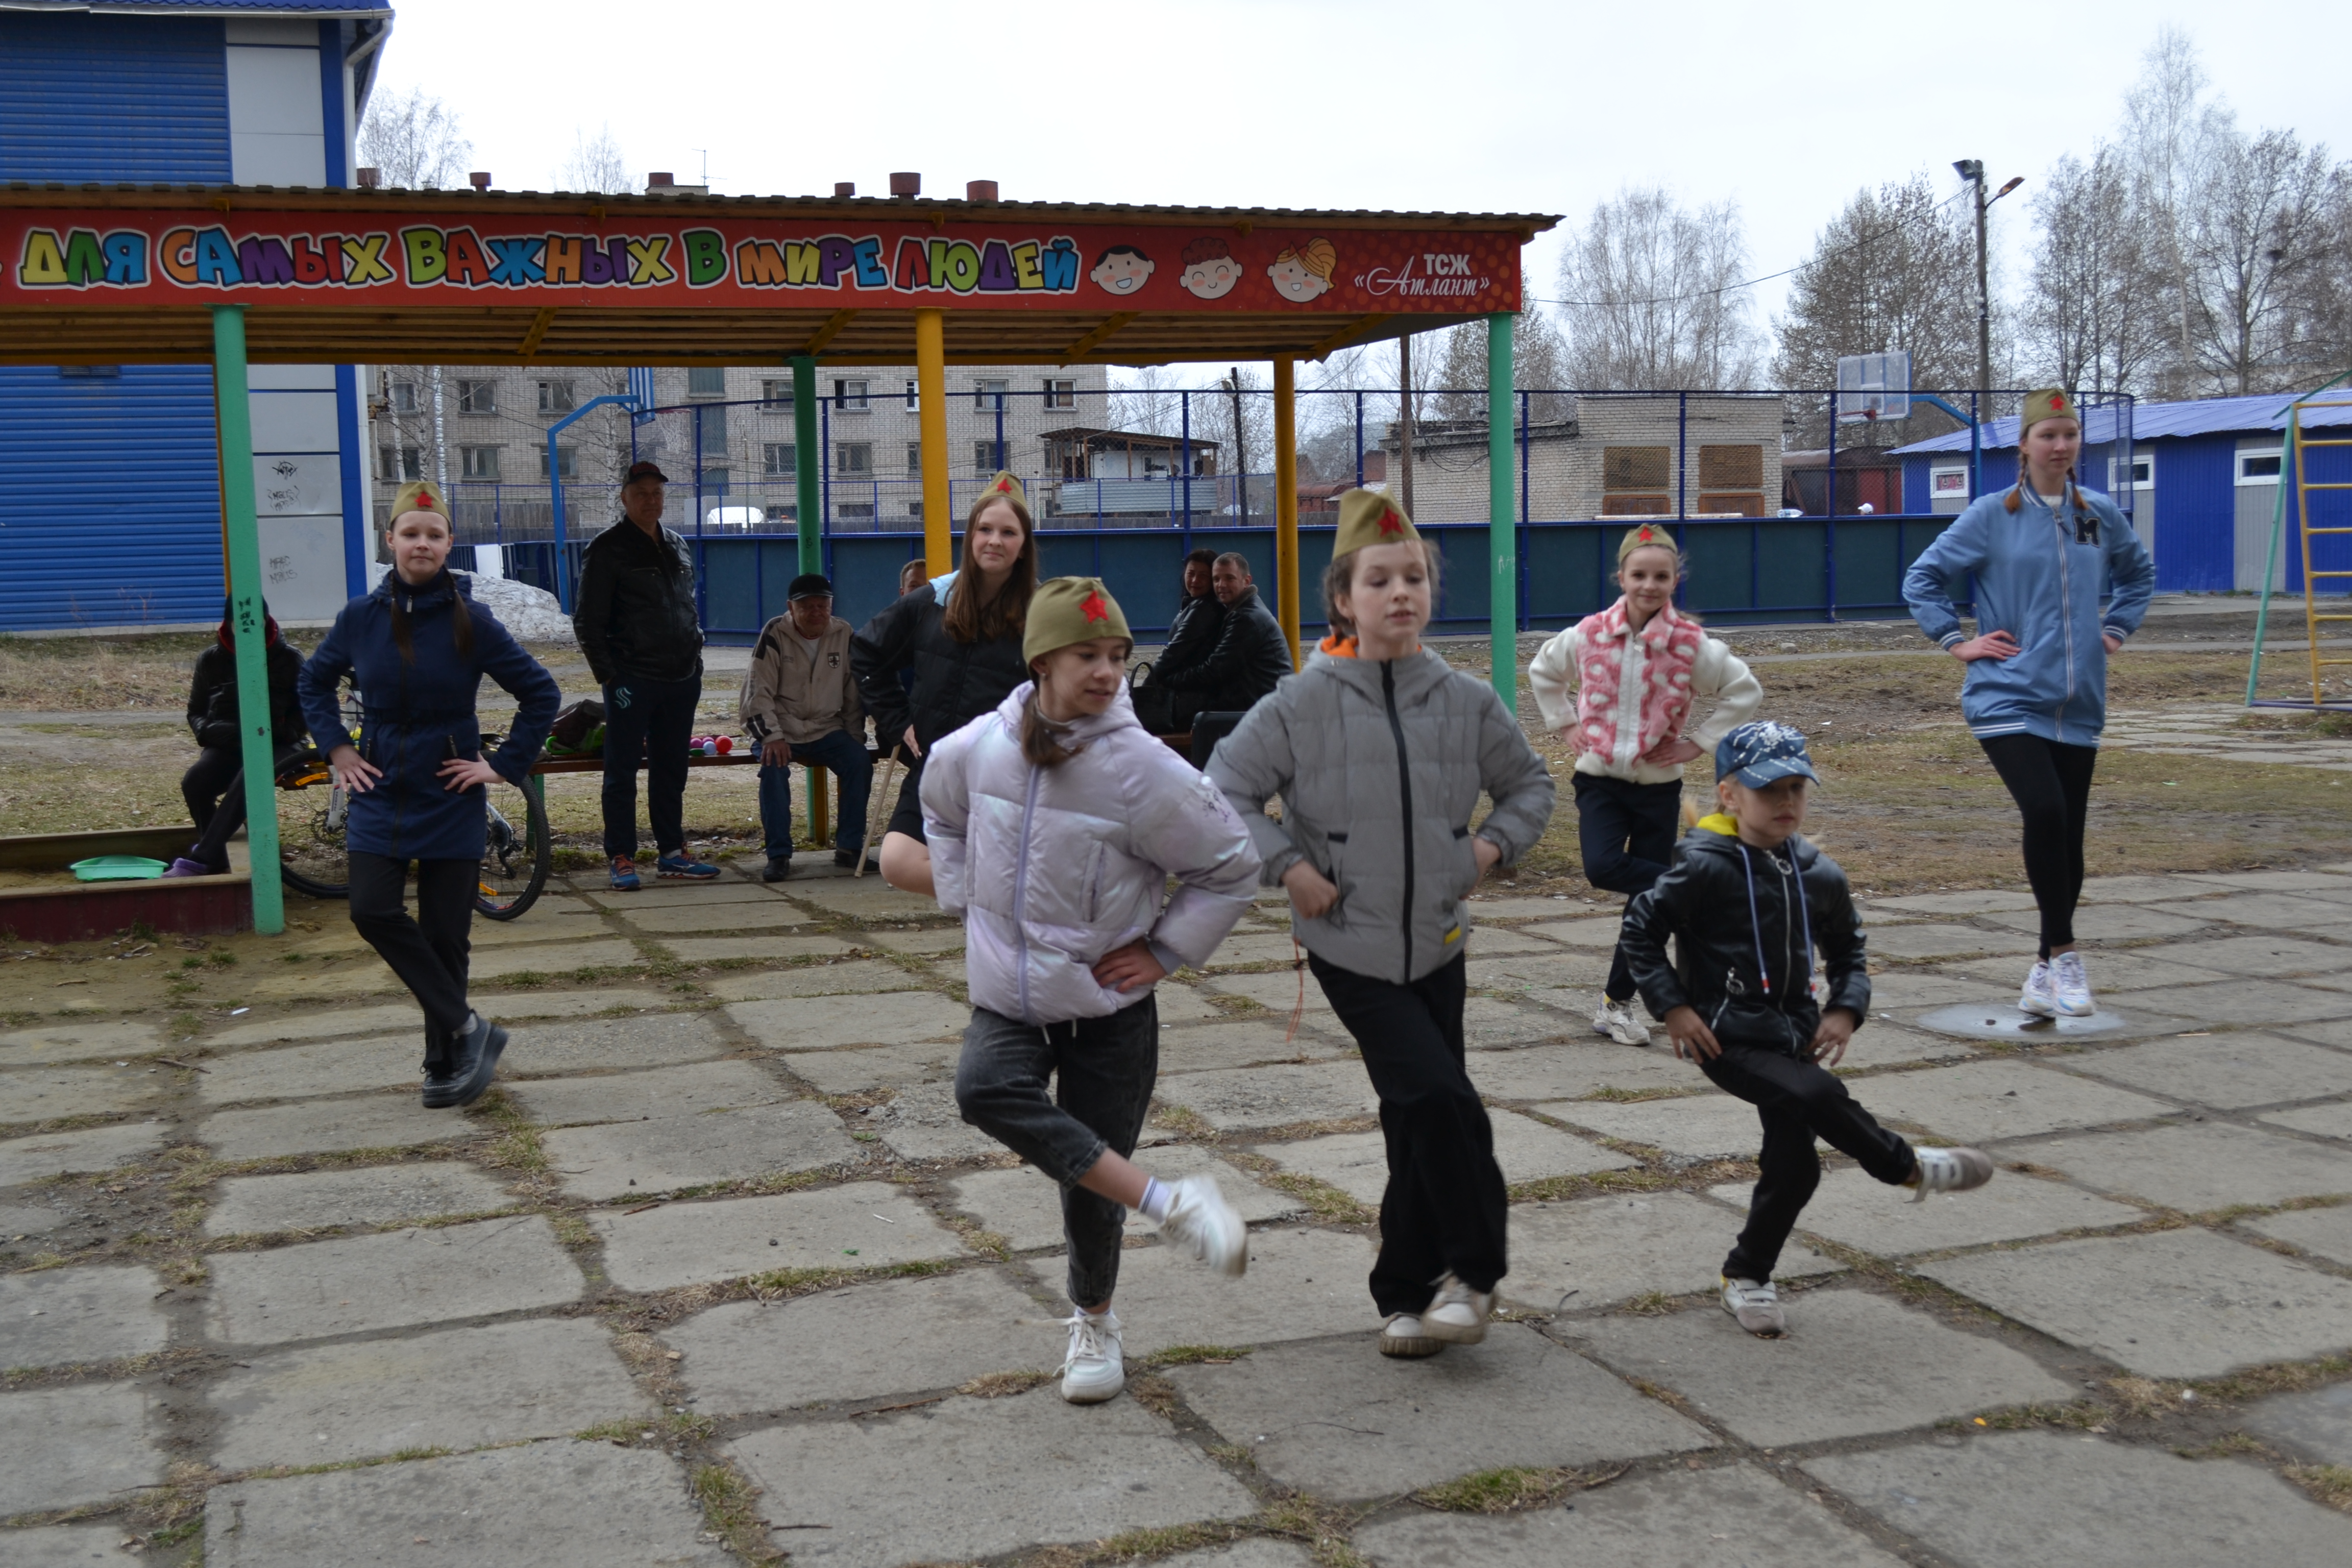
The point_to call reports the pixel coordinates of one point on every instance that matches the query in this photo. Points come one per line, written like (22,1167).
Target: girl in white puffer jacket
(1054,824)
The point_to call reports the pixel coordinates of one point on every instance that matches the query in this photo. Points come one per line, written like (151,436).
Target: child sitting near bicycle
(213,785)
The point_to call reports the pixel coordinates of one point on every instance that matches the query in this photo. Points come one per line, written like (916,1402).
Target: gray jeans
(1106,1069)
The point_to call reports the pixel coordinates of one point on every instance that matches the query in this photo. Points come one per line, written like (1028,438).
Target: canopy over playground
(97,275)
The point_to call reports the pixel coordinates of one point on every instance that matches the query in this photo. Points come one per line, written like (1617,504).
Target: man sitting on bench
(800,705)
(1251,654)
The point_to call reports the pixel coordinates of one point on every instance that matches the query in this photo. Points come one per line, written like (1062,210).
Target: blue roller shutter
(112,98)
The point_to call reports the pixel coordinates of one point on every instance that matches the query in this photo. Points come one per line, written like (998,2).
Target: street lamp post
(1972,171)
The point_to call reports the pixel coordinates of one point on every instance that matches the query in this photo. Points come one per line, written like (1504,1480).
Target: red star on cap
(425,503)
(1005,484)
(2056,402)
(1391,522)
(1093,607)
(1644,536)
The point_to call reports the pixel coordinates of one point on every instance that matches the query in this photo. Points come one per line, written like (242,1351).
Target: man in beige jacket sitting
(800,705)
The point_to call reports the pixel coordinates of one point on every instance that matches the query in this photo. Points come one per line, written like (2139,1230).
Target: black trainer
(845,859)
(478,1058)
(440,1070)
(779,867)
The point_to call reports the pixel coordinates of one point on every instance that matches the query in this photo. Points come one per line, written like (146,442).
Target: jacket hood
(1415,673)
(1119,715)
(1724,841)
(431,596)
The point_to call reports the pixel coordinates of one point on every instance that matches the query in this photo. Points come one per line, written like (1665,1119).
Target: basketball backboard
(1873,387)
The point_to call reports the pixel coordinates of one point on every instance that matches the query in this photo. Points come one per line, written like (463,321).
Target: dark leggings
(1626,832)
(2052,785)
(429,951)
(214,787)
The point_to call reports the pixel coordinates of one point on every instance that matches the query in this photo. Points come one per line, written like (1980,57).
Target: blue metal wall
(110,512)
(2196,538)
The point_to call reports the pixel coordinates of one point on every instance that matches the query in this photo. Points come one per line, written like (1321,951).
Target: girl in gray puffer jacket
(1054,824)
(1379,751)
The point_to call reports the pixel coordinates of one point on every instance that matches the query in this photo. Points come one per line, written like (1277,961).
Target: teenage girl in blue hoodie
(2043,552)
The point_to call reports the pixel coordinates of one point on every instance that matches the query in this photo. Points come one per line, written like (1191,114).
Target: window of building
(2260,466)
(1732,480)
(914,459)
(556,397)
(2143,473)
(849,396)
(480,462)
(705,380)
(776,394)
(567,463)
(714,481)
(403,398)
(855,510)
(1948,484)
(914,397)
(984,457)
(1061,393)
(710,432)
(987,395)
(399,462)
(780,460)
(853,457)
(915,510)
(478,397)
(1636,482)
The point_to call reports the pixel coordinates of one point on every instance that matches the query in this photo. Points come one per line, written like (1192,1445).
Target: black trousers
(1797,1102)
(1104,1070)
(2052,785)
(652,720)
(1444,1210)
(214,787)
(429,951)
(1626,832)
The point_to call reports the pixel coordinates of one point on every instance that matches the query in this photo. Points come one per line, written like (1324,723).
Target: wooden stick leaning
(874,812)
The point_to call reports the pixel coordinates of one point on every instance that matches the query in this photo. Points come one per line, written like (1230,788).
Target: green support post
(246,615)
(805,458)
(1502,526)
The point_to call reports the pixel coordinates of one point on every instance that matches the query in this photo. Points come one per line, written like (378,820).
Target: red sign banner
(660,260)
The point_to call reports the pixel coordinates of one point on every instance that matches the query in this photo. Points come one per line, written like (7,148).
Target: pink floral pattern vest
(1624,726)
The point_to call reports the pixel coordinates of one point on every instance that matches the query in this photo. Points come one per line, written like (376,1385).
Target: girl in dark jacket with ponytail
(418,647)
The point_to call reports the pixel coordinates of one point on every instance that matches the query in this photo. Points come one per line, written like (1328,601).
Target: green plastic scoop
(118,868)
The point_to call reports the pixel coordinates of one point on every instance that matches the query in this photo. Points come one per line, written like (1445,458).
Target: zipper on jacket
(1404,796)
(2065,619)
(1021,892)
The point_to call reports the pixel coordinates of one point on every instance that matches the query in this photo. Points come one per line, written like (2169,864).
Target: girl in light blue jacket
(2044,554)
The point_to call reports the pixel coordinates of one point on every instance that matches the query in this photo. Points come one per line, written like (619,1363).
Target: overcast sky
(1463,105)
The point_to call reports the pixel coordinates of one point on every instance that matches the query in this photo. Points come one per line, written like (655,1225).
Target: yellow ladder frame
(2303,487)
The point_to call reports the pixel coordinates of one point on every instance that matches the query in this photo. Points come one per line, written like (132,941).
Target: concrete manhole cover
(2006,1022)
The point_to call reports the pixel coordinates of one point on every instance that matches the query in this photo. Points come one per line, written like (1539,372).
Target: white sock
(1156,1197)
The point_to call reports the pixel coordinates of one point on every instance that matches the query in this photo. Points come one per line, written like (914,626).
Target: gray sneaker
(1756,1308)
(1949,1171)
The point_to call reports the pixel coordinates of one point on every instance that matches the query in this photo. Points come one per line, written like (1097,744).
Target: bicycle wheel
(311,815)
(515,861)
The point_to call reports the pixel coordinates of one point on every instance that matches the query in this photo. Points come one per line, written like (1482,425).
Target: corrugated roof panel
(111,514)
(112,98)
(2162,421)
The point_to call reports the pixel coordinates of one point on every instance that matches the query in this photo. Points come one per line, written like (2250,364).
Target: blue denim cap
(1757,754)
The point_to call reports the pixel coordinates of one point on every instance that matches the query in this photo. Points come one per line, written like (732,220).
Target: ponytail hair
(1041,738)
(461,619)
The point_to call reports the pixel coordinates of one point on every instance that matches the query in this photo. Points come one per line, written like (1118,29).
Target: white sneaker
(1756,1308)
(1094,1371)
(2040,996)
(1949,1171)
(2071,986)
(1402,1335)
(1616,1020)
(1199,1218)
(1457,1315)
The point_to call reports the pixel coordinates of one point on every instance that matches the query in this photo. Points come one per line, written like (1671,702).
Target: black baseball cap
(644,471)
(809,585)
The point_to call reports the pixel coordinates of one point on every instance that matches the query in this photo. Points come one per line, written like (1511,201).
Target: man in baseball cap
(800,704)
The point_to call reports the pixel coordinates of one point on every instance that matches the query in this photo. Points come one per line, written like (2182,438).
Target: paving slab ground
(869,1342)
(684,919)
(1594,932)
(394,1279)
(2324,1233)
(1941,942)
(2085,1502)
(581,1505)
(299,1072)
(2104,922)
(1527,1150)
(509,1005)
(303,1027)
(1339,1419)
(87,1443)
(2239,957)
(862,976)
(2227,1071)
(313,1200)
(2269,912)
(61,1546)
(1709,1125)
(2196,1166)
(1571,978)
(592,1045)
(1024,1206)
(946,941)
(20,1222)
(1225,1043)
(76,1042)
(1854,1210)
(456,1388)
(44,1094)
(2326,1032)
(921,1123)
(866,898)
(1976,902)
(820,1023)
(1489,1023)
(1608,1250)
(1852,1364)
(92,1149)
(966,1478)
(761,949)
(1301,1284)
(665,1154)
(1977,1102)
(385,1120)
(686,1090)
(2237,1003)
(862,1224)
(851,1070)
(2112,970)
(1254,1551)
(554,958)
(2316,1423)
(1255,1097)
(1572,1071)
(62,1316)
(1672,1519)
(2178,1303)
(723,893)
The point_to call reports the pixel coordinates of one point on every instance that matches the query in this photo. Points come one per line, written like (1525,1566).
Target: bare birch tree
(1538,360)
(594,164)
(415,139)
(2094,317)
(1649,293)
(2259,235)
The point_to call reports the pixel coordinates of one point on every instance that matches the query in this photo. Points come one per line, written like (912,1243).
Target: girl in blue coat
(2044,553)
(418,647)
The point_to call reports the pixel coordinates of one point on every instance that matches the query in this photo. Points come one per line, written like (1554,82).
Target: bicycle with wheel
(314,812)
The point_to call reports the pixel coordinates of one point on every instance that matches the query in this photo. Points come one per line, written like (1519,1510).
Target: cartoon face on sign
(1303,272)
(1210,271)
(1122,269)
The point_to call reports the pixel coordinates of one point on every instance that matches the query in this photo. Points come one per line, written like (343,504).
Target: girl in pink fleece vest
(1621,687)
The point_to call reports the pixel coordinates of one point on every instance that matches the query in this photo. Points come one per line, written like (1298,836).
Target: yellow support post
(931,391)
(1286,498)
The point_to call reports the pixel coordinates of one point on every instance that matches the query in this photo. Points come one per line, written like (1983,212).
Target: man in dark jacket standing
(1191,636)
(637,622)
(213,785)
(1250,656)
